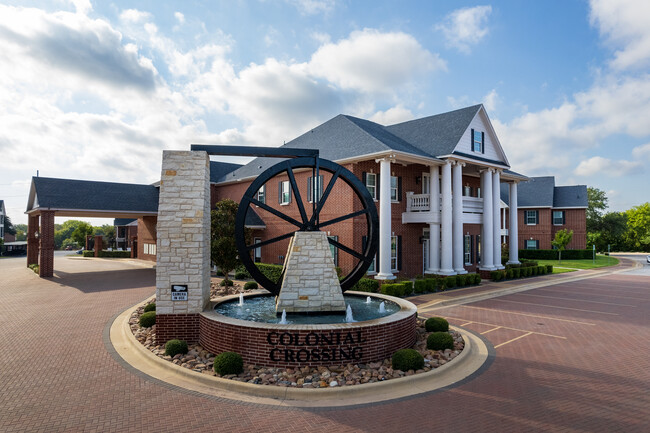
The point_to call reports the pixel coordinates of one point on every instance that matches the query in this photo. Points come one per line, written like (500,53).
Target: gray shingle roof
(570,196)
(220,169)
(90,195)
(339,138)
(436,135)
(253,219)
(542,192)
(122,221)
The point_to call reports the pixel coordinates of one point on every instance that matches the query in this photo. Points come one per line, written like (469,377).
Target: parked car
(81,251)
(647,258)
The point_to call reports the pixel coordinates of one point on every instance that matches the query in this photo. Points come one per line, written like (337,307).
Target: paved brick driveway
(569,357)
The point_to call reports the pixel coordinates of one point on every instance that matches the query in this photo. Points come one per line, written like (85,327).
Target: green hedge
(115,254)
(528,269)
(366,285)
(407,359)
(553,254)
(272,272)
(89,253)
(440,341)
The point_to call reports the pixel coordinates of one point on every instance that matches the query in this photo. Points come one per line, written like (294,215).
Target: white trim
(38,209)
(564,208)
(534,207)
(454,156)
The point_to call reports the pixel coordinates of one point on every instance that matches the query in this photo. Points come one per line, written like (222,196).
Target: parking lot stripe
(490,330)
(504,327)
(592,293)
(562,308)
(577,300)
(514,339)
(526,314)
(465,324)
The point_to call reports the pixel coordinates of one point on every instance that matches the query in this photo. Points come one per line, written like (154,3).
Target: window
(334,250)
(150,249)
(261,194)
(311,188)
(285,192)
(467,250)
(393,253)
(531,244)
(478,248)
(558,217)
(394,189)
(371,268)
(477,142)
(531,217)
(371,184)
(258,251)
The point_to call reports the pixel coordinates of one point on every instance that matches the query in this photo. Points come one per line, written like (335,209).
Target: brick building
(441,185)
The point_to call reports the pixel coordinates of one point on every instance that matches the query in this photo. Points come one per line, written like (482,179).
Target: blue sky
(96,90)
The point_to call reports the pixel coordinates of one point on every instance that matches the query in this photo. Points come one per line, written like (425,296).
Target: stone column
(384,221)
(446,222)
(46,240)
(496,209)
(487,237)
(434,228)
(457,220)
(183,244)
(32,240)
(513,234)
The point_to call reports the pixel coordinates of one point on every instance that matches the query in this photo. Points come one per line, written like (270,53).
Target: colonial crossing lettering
(325,346)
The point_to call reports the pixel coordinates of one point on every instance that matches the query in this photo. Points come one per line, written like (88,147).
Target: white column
(503,225)
(457,223)
(446,222)
(496,209)
(487,238)
(513,234)
(434,229)
(384,221)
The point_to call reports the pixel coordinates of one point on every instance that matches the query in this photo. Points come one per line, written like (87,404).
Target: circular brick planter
(274,345)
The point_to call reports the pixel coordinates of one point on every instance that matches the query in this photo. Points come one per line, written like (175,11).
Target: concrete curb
(474,356)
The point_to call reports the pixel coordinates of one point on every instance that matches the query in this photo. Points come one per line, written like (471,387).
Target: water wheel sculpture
(301,159)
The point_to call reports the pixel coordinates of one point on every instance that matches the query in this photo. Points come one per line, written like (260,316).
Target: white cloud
(465,27)
(642,152)
(371,61)
(624,25)
(82,6)
(491,100)
(179,17)
(598,165)
(312,7)
(393,115)
(135,16)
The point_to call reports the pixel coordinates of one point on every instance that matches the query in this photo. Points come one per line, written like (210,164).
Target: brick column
(99,245)
(46,239)
(183,244)
(32,240)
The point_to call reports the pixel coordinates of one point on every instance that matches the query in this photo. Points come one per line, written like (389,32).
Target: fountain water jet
(283,319)
(241,299)
(348,315)
(382,307)
(368,300)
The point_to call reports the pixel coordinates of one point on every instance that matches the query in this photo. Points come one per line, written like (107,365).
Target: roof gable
(570,196)
(492,150)
(220,169)
(542,192)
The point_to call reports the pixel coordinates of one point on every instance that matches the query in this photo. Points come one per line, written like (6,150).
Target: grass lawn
(571,265)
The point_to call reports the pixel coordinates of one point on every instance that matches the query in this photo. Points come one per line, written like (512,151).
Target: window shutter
(482,142)
(309,188)
(289,192)
(364,241)
(399,188)
(471,141)
(377,183)
(536,245)
(536,218)
(471,247)
(363,178)
(563,217)
(478,246)
(399,253)
(280,192)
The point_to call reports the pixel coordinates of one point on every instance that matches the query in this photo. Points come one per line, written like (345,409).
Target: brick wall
(181,326)
(258,344)
(146,234)
(544,231)
(46,239)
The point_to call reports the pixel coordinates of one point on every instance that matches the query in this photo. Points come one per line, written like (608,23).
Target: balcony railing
(421,203)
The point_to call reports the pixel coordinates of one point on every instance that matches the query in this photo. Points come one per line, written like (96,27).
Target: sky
(96,90)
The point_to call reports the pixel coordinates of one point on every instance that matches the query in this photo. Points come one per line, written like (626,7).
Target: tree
(69,242)
(108,232)
(562,239)
(638,227)
(223,249)
(65,232)
(613,228)
(79,234)
(9,227)
(596,205)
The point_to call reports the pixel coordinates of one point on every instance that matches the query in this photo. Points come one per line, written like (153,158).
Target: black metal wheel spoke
(348,250)
(270,241)
(277,213)
(326,193)
(343,218)
(296,192)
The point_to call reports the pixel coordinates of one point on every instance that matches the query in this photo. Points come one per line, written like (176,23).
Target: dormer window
(477,142)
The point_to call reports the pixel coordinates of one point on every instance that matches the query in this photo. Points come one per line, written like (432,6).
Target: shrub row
(553,254)
(440,283)
(366,285)
(106,253)
(521,272)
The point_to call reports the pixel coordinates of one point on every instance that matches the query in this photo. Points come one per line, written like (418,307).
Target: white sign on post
(179,292)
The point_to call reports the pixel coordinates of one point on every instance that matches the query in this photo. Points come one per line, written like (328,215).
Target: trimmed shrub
(436,324)
(174,347)
(407,359)
(148,319)
(228,363)
(272,272)
(450,282)
(224,283)
(219,273)
(251,285)
(34,267)
(541,270)
(89,253)
(533,270)
(440,341)
(391,289)
(461,280)
(420,286)
(516,272)
(241,276)
(509,274)
(495,276)
(553,254)
(150,307)
(549,269)
(407,288)
(366,285)
(115,254)
(433,284)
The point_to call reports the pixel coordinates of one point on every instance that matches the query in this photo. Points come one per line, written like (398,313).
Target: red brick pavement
(57,375)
